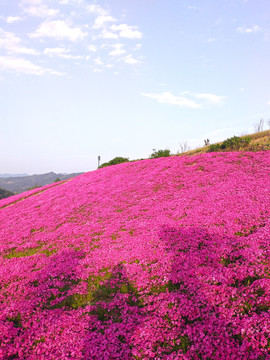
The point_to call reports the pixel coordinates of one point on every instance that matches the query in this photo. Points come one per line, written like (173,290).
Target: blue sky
(82,78)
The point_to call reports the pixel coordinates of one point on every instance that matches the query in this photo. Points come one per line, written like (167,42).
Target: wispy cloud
(55,51)
(98,61)
(117,50)
(186,101)
(102,20)
(59,29)
(13,45)
(105,34)
(249,30)
(70,29)
(13,19)
(127,31)
(210,40)
(65,2)
(138,46)
(196,8)
(130,60)
(211,98)
(92,48)
(63,53)
(170,99)
(96,9)
(37,8)
(20,65)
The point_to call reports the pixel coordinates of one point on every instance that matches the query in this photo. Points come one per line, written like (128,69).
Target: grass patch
(247,281)
(180,343)
(28,252)
(227,260)
(16,320)
(41,340)
(37,230)
(170,287)
(100,289)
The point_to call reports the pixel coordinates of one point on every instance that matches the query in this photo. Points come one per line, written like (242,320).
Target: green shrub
(214,147)
(115,161)
(160,153)
(233,143)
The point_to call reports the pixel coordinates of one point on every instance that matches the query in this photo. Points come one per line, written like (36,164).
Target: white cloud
(8,63)
(184,101)
(102,20)
(244,30)
(59,29)
(13,19)
(12,44)
(130,60)
(127,31)
(41,11)
(268,102)
(108,35)
(211,98)
(92,48)
(96,9)
(196,8)
(65,2)
(170,99)
(98,61)
(63,53)
(118,50)
(73,57)
(55,51)
(37,8)
(138,46)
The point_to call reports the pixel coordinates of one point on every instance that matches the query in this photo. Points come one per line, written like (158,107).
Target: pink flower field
(155,259)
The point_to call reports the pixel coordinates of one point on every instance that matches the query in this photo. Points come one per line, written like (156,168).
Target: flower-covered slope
(156,259)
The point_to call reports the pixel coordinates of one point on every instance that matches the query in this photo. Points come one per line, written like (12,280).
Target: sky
(82,78)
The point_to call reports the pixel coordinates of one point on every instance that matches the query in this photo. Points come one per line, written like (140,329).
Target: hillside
(4,194)
(20,184)
(157,259)
(259,141)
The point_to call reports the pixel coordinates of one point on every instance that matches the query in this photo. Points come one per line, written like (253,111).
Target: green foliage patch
(12,253)
(100,289)
(115,161)
(160,153)
(233,143)
(16,320)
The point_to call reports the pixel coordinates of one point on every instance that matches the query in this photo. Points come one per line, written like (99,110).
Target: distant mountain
(12,175)
(20,184)
(4,194)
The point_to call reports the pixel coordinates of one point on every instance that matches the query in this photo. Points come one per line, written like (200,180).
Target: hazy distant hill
(5,193)
(12,175)
(22,183)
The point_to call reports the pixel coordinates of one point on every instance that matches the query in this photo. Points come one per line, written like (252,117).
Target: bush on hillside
(115,161)
(214,148)
(5,193)
(233,143)
(160,153)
